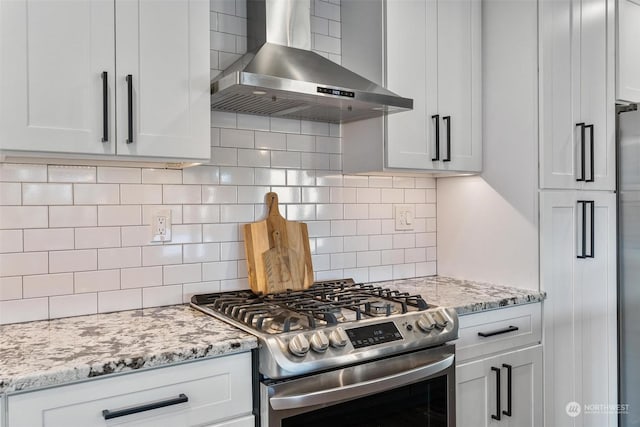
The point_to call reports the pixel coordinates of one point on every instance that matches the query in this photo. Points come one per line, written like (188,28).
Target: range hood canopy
(281,77)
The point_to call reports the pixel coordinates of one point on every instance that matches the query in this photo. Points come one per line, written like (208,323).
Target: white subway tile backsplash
(325,9)
(20,264)
(285,159)
(314,128)
(200,214)
(315,195)
(380,273)
(128,299)
(414,196)
(285,194)
(140,277)
(221,119)
(381,181)
(232,251)
(148,211)
(77,260)
(118,175)
(326,44)
(45,285)
(227,7)
(47,194)
(96,194)
(297,142)
(328,245)
(426,239)
(321,262)
(48,239)
(225,59)
(162,255)
(426,269)
(183,273)
(270,141)
(342,195)
(254,194)
(119,215)
(220,232)
(188,233)
(343,260)
(10,288)
(319,25)
(202,252)
(233,25)
(219,270)
(222,156)
(356,211)
(329,211)
(343,227)
(415,255)
(369,226)
(254,158)
(270,176)
(392,256)
(335,29)
(301,212)
(73,305)
(285,125)
(326,144)
(161,176)
(119,258)
(10,193)
(379,242)
(368,195)
(236,213)
(219,194)
(96,281)
(72,216)
(97,237)
(356,181)
(432,254)
(360,275)
(181,194)
(24,310)
(356,243)
(328,179)
(404,182)
(191,289)
(301,177)
(10,241)
(222,41)
(161,295)
(315,161)
(236,138)
(404,240)
(236,176)
(391,195)
(404,271)
(201,175)
(71,173)
(425,182)
(140,194)
(250,121)
(17,172)
(380,211)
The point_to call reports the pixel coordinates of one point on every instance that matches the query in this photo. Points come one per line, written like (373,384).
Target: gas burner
(285,323)
(380,308)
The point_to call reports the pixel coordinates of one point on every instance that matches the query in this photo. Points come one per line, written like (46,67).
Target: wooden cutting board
(278,253)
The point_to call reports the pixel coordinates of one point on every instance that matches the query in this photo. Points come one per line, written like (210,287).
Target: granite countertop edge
(168,335)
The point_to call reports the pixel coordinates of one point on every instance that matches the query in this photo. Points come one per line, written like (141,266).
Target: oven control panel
(373,334)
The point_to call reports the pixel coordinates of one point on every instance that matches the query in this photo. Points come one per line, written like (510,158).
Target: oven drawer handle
(350,391)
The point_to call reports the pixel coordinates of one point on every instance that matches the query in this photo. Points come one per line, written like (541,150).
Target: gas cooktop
(333,323)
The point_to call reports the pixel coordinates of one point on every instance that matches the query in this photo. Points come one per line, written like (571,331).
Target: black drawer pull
(498,332)
(591,150)
(509,369)
(105,108)
(107,414)
(498,412)
(447,119)
(129,109)
(437,157)
(582,161)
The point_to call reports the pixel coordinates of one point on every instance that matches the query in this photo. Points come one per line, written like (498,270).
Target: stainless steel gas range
(347,354)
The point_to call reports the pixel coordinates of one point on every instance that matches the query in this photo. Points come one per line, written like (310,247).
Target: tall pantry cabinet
(578,208)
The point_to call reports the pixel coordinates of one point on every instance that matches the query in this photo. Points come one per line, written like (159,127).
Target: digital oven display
(374,334)
(337,92)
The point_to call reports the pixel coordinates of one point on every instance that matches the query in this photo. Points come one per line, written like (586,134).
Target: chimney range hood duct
(281,77)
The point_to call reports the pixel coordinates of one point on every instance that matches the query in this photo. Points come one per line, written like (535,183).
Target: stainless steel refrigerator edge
(628,147)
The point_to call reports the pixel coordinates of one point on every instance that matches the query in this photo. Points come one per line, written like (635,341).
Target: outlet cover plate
(405,215)
(161,226)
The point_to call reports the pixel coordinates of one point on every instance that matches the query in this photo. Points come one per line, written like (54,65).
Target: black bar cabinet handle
(582,165)
(105,107)
(498,332)
(437,157)
(591,204)
(448,120)
(130,108)
(107,414)
(591,150)
(509,368)
(583,252)
(498,413)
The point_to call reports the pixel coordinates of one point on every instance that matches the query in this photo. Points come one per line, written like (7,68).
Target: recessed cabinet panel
(157,45)
(52,88)
(628,83)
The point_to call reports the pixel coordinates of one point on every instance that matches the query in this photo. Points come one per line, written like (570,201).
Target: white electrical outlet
(404,217)
(161,226)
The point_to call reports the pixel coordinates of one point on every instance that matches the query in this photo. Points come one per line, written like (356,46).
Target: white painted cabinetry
(628,53)
(499,368)
(577,92)
(429,51)
(578,270)
(214,392)
(63,78)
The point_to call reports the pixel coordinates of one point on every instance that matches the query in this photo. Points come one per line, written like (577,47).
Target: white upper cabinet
(63,78)
(577,136)
(53,56)
(427,50)
(628,54)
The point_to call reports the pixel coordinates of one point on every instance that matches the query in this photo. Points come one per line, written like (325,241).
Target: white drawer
(248,421)
(217,389)
(504,329)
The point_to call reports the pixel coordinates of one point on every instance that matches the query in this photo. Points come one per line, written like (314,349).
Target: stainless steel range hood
(281,77)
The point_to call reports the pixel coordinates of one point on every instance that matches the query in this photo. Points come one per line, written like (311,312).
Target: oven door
(412,390)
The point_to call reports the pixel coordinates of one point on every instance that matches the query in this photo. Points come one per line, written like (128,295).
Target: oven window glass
(417,405)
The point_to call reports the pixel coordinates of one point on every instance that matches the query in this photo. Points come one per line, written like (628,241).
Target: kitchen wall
(75,239)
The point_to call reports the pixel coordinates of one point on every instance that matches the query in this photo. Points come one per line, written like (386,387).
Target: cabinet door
(628,83)
(411,58)
(459,84)
(580,312)
(164,47)
(52,58)
(577,87)
(477,390)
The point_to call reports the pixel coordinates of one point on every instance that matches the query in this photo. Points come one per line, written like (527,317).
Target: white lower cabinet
(499,368)
(214,392)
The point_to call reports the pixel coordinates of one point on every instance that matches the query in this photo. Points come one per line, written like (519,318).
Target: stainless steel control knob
(441,321)
(319,342)
(426,323)
(338,338)
(299,345)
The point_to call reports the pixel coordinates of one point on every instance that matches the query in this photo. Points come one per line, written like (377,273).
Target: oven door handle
(361,388)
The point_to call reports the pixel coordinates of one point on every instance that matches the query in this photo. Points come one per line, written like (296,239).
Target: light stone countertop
(55,352)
